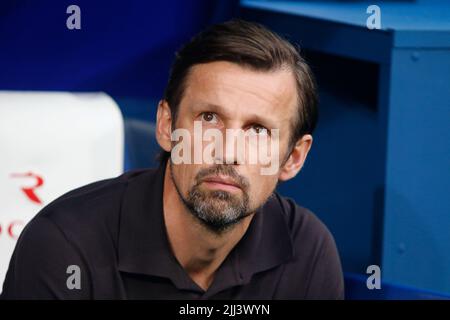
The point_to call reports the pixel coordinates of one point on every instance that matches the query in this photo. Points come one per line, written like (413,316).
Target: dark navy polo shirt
(111,236)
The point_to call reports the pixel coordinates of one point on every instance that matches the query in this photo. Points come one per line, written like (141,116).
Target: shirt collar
(143,246)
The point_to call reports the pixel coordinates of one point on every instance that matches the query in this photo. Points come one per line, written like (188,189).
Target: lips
(222,180)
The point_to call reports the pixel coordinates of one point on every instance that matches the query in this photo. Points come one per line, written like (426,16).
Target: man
(197,229)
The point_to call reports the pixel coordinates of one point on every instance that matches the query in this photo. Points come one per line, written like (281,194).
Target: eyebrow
(255,118)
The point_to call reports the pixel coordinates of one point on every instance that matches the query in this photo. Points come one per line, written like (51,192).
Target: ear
(164,126)
(296,159)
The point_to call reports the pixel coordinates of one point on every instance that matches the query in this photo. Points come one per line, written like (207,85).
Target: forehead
(242,91)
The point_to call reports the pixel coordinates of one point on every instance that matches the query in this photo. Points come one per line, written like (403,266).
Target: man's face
(223,95)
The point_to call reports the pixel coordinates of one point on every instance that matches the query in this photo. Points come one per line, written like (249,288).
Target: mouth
(221,182)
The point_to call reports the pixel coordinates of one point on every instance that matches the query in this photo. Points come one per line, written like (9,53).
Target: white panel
(58,140)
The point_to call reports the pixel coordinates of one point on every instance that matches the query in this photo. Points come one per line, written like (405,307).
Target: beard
(218,210)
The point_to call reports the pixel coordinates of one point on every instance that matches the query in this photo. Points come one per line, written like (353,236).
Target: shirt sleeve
(315,271)
(326,279)
(45,265)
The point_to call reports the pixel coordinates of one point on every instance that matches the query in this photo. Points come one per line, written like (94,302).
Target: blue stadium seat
(356,289)
(141,147)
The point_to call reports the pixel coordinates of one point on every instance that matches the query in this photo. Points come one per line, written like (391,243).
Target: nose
(233,149)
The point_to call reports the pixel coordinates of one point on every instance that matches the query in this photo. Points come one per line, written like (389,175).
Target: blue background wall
(123,48)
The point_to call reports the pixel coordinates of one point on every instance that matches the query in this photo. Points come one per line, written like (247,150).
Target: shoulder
(89,206)
(94,194)
(89,216)
(315,264)
(303,225)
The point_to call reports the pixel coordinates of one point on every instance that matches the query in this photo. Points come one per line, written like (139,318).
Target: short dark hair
(250,45)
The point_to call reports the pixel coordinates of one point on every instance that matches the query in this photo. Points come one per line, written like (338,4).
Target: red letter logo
(11,229)
(29,191)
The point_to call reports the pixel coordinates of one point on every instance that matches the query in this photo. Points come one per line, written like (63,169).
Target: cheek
(184,176)
(261,187)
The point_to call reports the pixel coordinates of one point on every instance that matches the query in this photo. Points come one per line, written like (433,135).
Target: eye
(259,130)
(209,117)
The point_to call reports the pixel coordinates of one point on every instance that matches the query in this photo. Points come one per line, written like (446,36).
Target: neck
(199,250)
